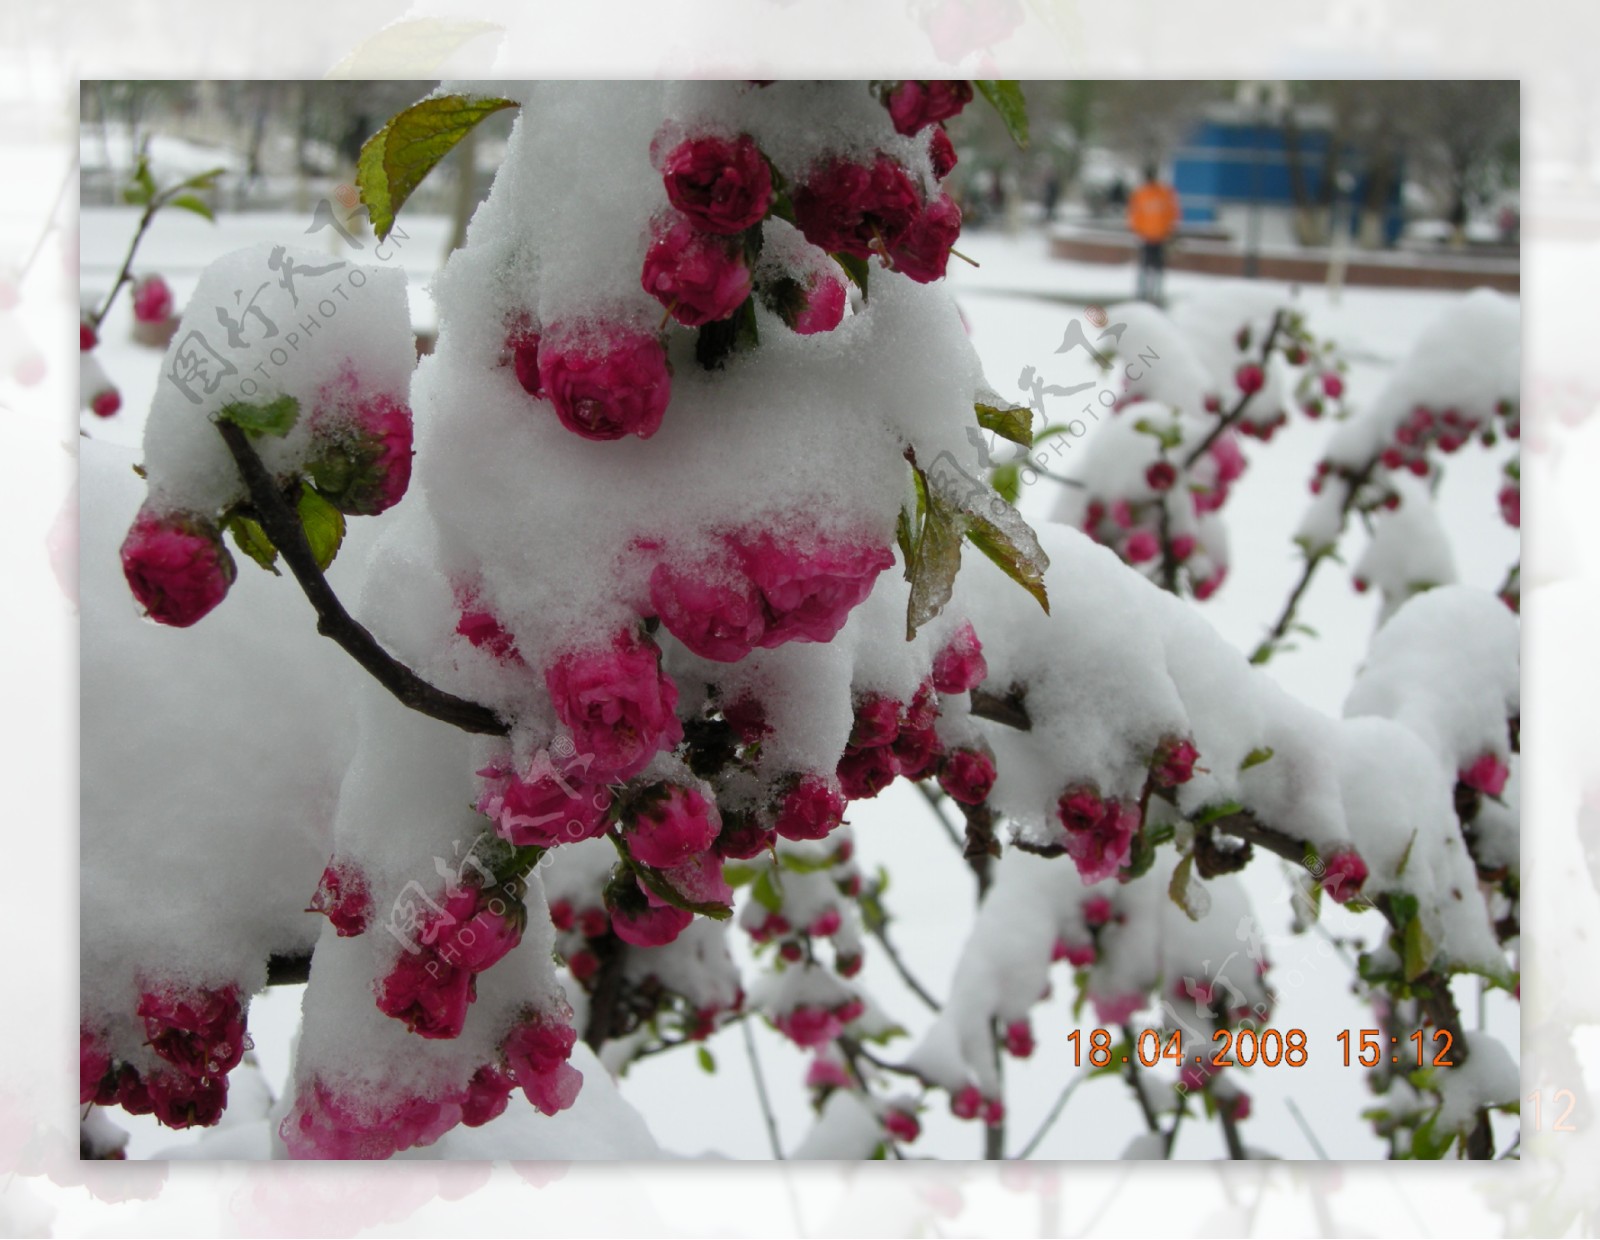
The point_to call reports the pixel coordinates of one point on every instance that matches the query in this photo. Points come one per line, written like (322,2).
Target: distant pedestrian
(1153,215)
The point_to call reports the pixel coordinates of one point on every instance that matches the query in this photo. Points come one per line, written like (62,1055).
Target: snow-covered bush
(676,565)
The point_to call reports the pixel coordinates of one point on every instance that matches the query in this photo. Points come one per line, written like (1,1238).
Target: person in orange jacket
(1153,215)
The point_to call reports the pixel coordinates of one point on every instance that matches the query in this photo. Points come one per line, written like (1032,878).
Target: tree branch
(1054,1114)
(1008,708)
(761,1091)
(1237,412)
(607,993)
(881,933)
(283,528)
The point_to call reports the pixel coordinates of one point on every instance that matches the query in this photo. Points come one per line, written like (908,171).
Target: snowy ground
(1019,303)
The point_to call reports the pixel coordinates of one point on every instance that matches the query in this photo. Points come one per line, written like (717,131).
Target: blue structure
(1232,162)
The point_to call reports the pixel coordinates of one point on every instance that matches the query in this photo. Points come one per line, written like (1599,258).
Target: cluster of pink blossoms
(1100,830)
(199,1036)
(175,562)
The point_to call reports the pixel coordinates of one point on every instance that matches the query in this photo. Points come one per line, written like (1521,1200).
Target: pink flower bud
(810,591)
(823,307)
(1116,1009)
(1078,955)
(960,667)
(488,1092)
(1205,588)
(1019,1039)
(808,1026)
(635,920)
(699,277)
(537,1050)
(967,775)
(698,880)
(545,807)
(1097,911)
(606,383)
(152,300)
(618,704)
(917,752)
(825,1073)
(88,338)
(342,897)
(1343,875)
(915,105)
(826,924)
(856,209)
(428,994)
(863,773)
(941,152)
(744,835)
(1142,545)
(966,1102)
(1122,513)
(671,826)
(363,447)
(724,186)
(1488,775)
(1099,833)
(717,612)
(479,927)
(1249,378)
(901,1125)
(1332,385)
(523,342)
(176,566)
(94,1065)
(810,810)
(200,1032)
(178,1100)
(922,251)
(1174,762)
(1161,475)
(1510,498)
(1182,547)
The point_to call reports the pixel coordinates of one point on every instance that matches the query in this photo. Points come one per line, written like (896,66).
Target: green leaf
(1178,888)
(274,417)
(707,1063)
(1419,950)
(1405,857)
(200,180)
(1114,1065)
(1015,549)
(797,863)
(1256,757)
(190,202)
(767,893)
(1006,99)
(323,525)
(253,541)
(1011,422)
(935,560)
(395,160)
(1212,813)
(856,269)
(1007,482)
(143,188)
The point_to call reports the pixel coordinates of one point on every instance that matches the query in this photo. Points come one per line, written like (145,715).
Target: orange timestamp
(1370,1048)
(1245,1047)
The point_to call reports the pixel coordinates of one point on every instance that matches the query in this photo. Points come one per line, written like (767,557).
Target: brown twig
(281,525)
(1237,412)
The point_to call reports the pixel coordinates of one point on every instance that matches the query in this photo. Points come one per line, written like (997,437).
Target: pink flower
(863,773)
(960,666)
(1099,833)
(1249,378)
(672,825)
(823,306)
(1332,386)
(723,186)
(1343,875)
(324,1124)
(700,278)
(967,775)
(483,629)
(1510,498)
(1122,513)
(488,1092)
(748,719)
(1194,1076)
(88,338)
(1078,955)
(877,721)
(717,613)
(179,1100)
(606,383)
(901,1125)
(537,1050)
(917,751)
(427,993)
(825,1073)
(1182,547)
(198,1031)
(1160,476)
(523,342)
(698,880)
(810,810)
(1097,911)
(914,105)
(1240,1106)
(618,703)
(1019,1039)
(856,209)
(744,835)
(1113,1010)
(810,591)
(363,448)
(152,300)
(1174,762)
(1141,546)
(922,250)
(342,897)
(479,927)
(635,920)
(1228,458)
(1488,775)
(94,1065)
(808,1026)
(545,807)
(826,924)
(1208,586)
(941,152)
(176,566)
